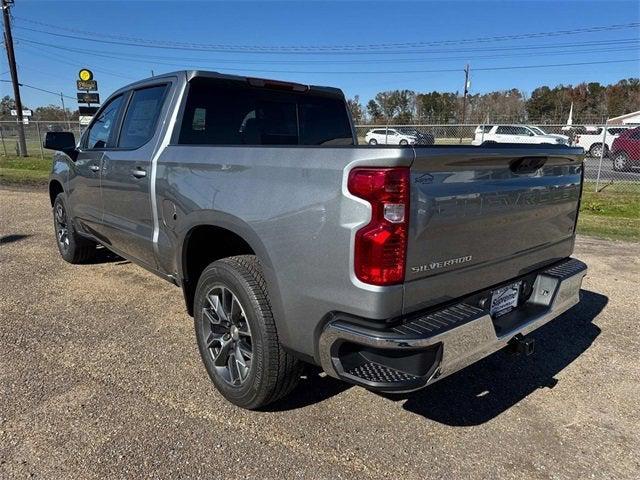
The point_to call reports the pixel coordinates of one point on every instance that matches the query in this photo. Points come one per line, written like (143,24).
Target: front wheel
(237,336)
(73,248)
(404,143)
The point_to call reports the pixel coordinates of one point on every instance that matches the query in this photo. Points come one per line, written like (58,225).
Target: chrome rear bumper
(427,347)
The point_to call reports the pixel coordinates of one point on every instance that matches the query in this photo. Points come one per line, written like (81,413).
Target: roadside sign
(85,75)
(25,113)
(85,119)
(86,97)
(25,120)
(87,111)
(89,85)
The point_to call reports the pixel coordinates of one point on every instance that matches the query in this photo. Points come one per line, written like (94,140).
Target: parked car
(625,150)
(566,139)
(488,134)
(593,139)
(389,136)
(389,268)
(422,137)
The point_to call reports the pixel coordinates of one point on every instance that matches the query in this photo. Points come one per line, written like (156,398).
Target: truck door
(126,176)
(84,194)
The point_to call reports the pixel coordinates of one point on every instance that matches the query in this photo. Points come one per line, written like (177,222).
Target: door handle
(94,168)
(138,172)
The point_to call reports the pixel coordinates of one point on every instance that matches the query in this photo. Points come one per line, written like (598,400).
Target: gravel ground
(100,378)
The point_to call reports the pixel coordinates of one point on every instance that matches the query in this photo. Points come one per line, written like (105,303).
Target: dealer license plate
(505,299)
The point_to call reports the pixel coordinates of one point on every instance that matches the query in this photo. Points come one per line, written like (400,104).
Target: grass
(24,170)
(612,213)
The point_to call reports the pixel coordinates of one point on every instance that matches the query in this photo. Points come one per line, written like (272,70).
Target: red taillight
(381,245)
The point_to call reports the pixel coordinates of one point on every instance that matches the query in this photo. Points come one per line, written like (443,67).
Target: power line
(164,45)
(443,70)
(330,48)
(74,63)
(57,94)
(157,59)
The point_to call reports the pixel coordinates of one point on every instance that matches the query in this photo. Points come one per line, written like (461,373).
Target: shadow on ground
(104,255)
(13,238)
(485,389)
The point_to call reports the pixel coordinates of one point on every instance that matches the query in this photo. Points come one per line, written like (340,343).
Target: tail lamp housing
(381,245)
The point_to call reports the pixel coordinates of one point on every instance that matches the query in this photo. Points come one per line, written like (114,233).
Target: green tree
(436,107)
(374,111)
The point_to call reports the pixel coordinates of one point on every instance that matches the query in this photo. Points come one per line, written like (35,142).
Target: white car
(593,138)
(487,134)
(388,136)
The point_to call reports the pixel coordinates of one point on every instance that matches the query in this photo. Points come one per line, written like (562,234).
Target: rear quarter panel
(289,204)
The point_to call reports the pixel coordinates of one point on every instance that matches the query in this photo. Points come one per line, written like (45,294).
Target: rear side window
(233,113)
(142,114)
(512,130)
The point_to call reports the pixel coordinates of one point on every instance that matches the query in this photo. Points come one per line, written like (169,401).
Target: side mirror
(62,141)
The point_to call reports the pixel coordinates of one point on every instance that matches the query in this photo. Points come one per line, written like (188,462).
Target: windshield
(537,130)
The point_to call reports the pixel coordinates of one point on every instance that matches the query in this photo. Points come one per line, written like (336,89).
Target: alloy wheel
(228,335)
(620,162)
(62,229)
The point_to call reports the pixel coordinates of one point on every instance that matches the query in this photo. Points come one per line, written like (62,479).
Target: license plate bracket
(504,299)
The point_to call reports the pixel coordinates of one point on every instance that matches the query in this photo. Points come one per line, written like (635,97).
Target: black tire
(73,247)
(404,143)
(272,372)
(595,150)
(489,142)
(373,141)
(621,162)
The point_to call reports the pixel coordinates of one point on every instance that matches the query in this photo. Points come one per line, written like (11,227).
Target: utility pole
(64,111)
(8,43)
(464,97)
(466,91)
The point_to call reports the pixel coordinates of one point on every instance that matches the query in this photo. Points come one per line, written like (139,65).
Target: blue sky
(272,24)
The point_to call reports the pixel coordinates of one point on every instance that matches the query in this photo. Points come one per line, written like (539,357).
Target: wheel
(404,143)
(621,162)
(237,336)
(489,142)
(373,141)
(73,247)
(596,150)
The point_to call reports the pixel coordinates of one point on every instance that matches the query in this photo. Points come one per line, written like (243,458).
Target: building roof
(625,116)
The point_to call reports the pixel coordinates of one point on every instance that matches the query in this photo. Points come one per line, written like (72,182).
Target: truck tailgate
(483,215)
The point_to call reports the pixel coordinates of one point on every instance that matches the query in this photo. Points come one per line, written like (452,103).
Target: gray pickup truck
(389,267)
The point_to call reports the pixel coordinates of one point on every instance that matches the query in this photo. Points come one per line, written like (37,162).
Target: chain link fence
(34,133)
(612,152)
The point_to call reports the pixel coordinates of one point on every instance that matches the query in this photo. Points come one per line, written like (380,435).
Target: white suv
(388,136)
(515,134)
(592,138)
